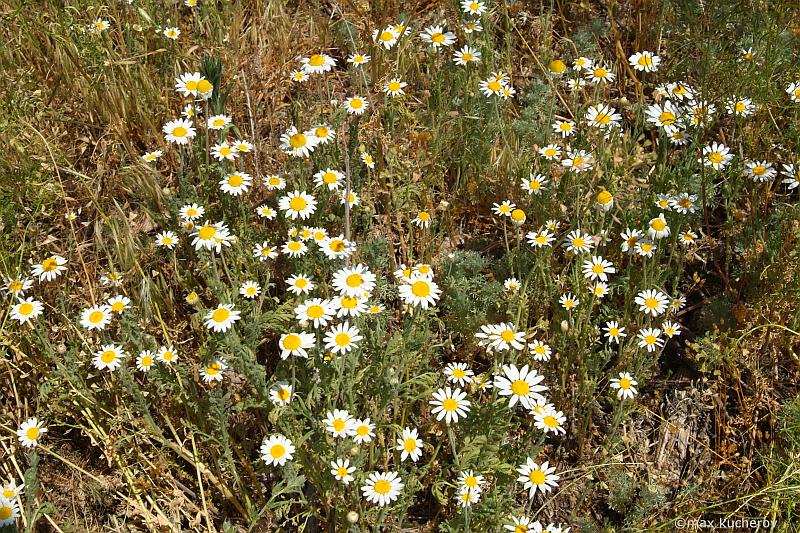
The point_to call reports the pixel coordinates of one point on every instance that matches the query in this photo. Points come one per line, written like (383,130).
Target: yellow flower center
(600,72)
(356,103)
(341,471)
(32,433)
(438,38)
(213,369)
(604,197)
(108,356)
(471,481)
(386,36)
(295,246)
(759,170)
(537,477)
(298,203)
(207,232)
(494,86)
(458,373)
(550,421)
(578,242)
(466,56)
(667,118)
(518,215)
(354,280)
(315,311)
(645,61)
(338,424)
(715,157)
(118,306)
(146,360)
(49,264)
(658,224)
(420,289)
(520,387)
(221,315)
(291,342)
(349,302)
(316,60)
(342,339)
(297,140)
(624,383)
(382,486)
(394,86)
(277,451)
(557,66)
(410,445)
(362,430)
(449,404)
(508,335)
(25,309)
(283,394)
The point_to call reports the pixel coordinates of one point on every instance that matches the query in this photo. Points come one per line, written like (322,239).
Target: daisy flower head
(213,371)
(382,488)
(342,338)
(671,329)
(520,385)
(577,161)
(386,37)
(503,209)
(680,90)
(792,179)
(281,394)
(354,281)
(577,241)
(492,86)
(149,157)
(99,25)
(422,220)
(467,497)
(145,360)
(466,55)
(688,237)
(420,291)
(191,212)
(167,355)
(242,146)
(118,303)
(330,178)
(740,107)
(663,116)
(550,421)
(26,310)
(367,159)
(294,248)
(276,450)
(50,268)
(211,236)
(650,339)
(394,87)
(316,311)
(297,143)
(410,445)
(300,284)
(793,90)
(318,63)
(298,204)
(222,318)
(337,247)
(511,285)
(602,116)
(11,490)
(540,350)
(472,26)
(644,61)
(298,76)
(437,37)
(557,67)
(265,211)
(645,248)
(167,239)
(605,200)
(96,317)
(503,337)
(657,228)
(568,301)
(537,477)
(342,471)
(109,357)
(458,373)
(582,63)
(356,105)
(356,59)
(652,302)
(296,344)
(523,524)
(541,238)
(760,171)
(236,184)
(171,33)
(473,7)
(363,431)
(534,184)
(716,156)
(194,84)
(598,268)
(264,251)
(339,423)
(449,405)
(224,152)
(273,182)
(218,122)
(30,432)
(469,480)
(599,74)
(625,386)
(17,285)
(614,332)
(324,133)
(565,128)
(684,203)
